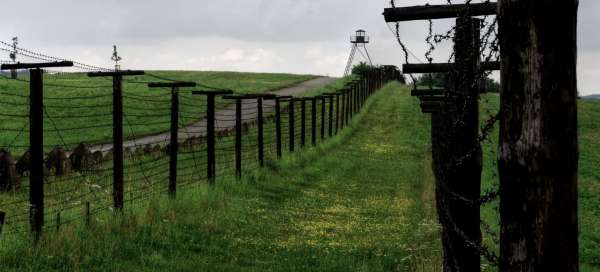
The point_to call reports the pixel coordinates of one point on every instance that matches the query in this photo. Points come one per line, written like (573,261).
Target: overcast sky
(295,36)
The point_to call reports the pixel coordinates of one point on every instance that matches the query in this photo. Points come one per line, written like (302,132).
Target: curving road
(199,128)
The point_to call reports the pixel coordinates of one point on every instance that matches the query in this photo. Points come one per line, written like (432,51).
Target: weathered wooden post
(355,90)
(367,87)
(331,115)
(278,141)
(313,120)
(36,138)
(343,116)
(362,87)
(349,103)
(36,144)
(337,112)
(323,116)
(174,137)
(291,124)
(2,217)
(87,214)
(303,122)
(238,133)
(457,158)
(278,127)
(238,137)
(350,98)
(260,136)
(210,132)
(260,120)
(58,221)
(538,149)
(330,126)
(117,77)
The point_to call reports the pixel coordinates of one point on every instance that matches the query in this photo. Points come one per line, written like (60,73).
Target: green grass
(361,201)
(344,206)
(589,178)
(146,111)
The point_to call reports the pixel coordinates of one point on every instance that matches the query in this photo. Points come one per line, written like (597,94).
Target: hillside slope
(348,205)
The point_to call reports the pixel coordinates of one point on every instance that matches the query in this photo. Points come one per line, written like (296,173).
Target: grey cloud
(198,31)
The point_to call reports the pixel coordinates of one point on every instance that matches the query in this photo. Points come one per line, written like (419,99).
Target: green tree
(361,68)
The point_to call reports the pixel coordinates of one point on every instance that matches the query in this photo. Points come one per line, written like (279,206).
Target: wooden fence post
(211,168)
(238,138)
(458,167)
(174,131)
(88,214)
(343,112)
(331,115)
(303,122)
(538,149)
(117,77)
(359,86)
(118,176)
(337,112)
(2,217)
(174,142)
(366,84)
(291,124)
(352,98)
(313,117)
(323,117)
(278,127)
(36,142)
(36,138)
(347,104)
(261,153)
(58,221)
(210,140)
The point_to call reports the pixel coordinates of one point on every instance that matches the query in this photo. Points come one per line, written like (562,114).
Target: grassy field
(144,174)
(362,201)
(78,108)
(589,178)
(324,209)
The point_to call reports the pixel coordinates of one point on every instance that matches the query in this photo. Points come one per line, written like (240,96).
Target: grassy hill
(363,201)
(78,108)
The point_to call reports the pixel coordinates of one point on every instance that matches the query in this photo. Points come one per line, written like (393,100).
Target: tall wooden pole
(36,143)
(323,117)
(210,131)
(174,144)
(538,150)
(330,128)
(2,216)
(457,156)
(261,148)
(118,142)
(278,127)
(313,121)
(238,138)
(337,113)
(291,120)
(302,122)
(117,77)
(210,139)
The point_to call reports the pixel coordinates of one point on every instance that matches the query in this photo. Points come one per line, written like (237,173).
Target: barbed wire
(488,48)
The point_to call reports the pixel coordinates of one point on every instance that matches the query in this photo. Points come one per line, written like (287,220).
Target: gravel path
(199,128)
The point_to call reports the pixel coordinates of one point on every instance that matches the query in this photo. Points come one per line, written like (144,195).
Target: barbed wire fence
(452,103)
(79,171)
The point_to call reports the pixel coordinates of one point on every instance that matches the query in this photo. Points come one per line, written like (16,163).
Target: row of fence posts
(348,102)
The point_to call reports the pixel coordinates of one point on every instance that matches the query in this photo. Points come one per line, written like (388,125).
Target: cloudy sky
(295,36)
